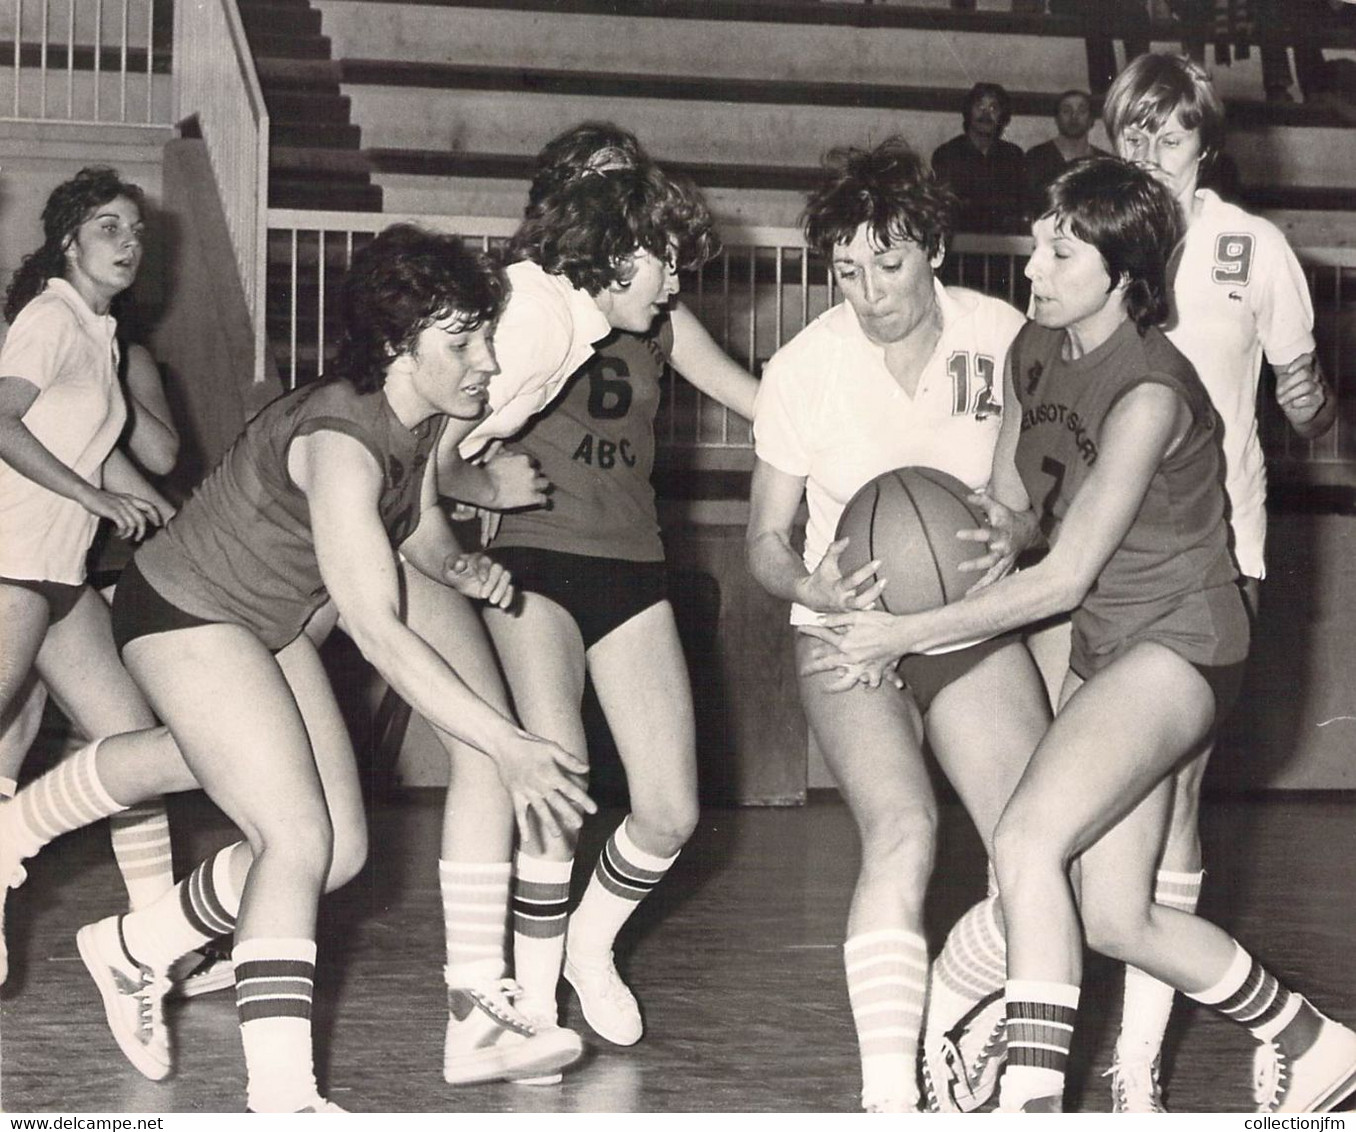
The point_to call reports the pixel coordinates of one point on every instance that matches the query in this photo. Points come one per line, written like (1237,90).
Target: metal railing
(85,61)
(756,295)
(216,83)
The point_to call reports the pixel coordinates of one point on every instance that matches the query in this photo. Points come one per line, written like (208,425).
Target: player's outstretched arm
(709,368)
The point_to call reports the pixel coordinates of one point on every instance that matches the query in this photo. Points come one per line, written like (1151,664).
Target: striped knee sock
(541,901)
(274,986)
(67,797)
(203,906)
(141,845)
(1148,1002)
(475,920)
(887,985)
(973,964)
(624,876)
(1249,994)
(1040,1024)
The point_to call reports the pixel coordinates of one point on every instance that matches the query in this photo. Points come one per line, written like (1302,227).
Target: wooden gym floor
(736,961)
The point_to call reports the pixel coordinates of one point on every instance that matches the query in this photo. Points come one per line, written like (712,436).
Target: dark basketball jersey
(241,549)
(596,445)
(1172,577)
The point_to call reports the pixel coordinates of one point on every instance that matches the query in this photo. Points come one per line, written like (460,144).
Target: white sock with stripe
(624,876)
(887,986)
(274,988)
(141,845)
(475,920)
(1147,1004)
(1040,1025)
(541,902)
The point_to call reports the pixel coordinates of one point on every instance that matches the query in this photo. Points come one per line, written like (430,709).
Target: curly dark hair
(889,188)
(68,206)
(988,90)
(402,281)
(1130,218)
(589,147)
(589,229)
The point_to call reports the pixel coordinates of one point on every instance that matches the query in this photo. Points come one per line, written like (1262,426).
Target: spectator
(985,172)
(1073,121)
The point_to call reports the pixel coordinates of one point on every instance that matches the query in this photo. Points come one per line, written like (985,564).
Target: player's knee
(1115,928)
(302,848)
(901,841)
(667,827)
(1025,846)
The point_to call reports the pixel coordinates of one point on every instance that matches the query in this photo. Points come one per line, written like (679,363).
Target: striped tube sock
(274,986)
(141,844)
(973,965)
(1148,1002)
(204,905)
(887,974)
(1040,1024)
(1249,994)
(541,903)
(67,797)
(624,876)
(475,920)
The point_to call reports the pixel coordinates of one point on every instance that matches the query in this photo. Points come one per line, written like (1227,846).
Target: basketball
(908,519)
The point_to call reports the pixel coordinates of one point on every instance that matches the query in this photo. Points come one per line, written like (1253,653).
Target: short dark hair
(589,147)
(1151,87)
(1130,218)
(402,281)
(590,228)
(68,206)
(1073,92)
(889,188)
(992,90)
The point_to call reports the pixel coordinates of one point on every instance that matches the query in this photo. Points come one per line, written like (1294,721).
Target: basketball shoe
(1134,1083)
(133,996)
(489,1039)
(541,1016)
(1315,1079)
(202,971)
(316,1104)
(608,1004)
(961,1067)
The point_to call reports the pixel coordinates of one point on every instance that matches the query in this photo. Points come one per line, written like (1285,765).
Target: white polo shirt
(70,353)
(1239,293)
(546,332)
(829,411)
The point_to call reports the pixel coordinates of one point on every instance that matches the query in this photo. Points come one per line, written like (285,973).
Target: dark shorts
(61,597)
(926,675)
(599,593)
(140,611)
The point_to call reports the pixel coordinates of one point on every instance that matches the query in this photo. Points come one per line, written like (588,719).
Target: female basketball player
(1116,443)
(591,314)
(1238,294)
(901,372)
(309,503)
(61,413)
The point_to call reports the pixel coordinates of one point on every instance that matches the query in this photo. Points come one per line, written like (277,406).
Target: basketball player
(592,324)
(310,502)
(1116,439)
(61,413)
(1238,294)
(902,372)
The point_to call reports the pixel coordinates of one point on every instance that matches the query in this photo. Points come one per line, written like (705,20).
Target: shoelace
(1270,1076)
(1128,1081)
(995,1042)
(151,1002)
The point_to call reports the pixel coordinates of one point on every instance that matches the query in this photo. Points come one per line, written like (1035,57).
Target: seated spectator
(985,172)
(1073,121)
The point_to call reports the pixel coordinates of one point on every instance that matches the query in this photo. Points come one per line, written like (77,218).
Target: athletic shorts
(927,675)
(599,593)
(140,611)
(61,597)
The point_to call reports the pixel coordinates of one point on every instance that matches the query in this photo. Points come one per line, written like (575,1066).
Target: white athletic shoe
(202,972)
(608,1004)
(1316,1080)
(961,1067)
(541,1016)
(133,996)
(12,874)
(316,1104)
(1134,1084)
(488,1039)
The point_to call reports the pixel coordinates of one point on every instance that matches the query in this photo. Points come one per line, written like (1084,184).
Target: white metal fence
(85,61)
(216,83)
(756,295)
